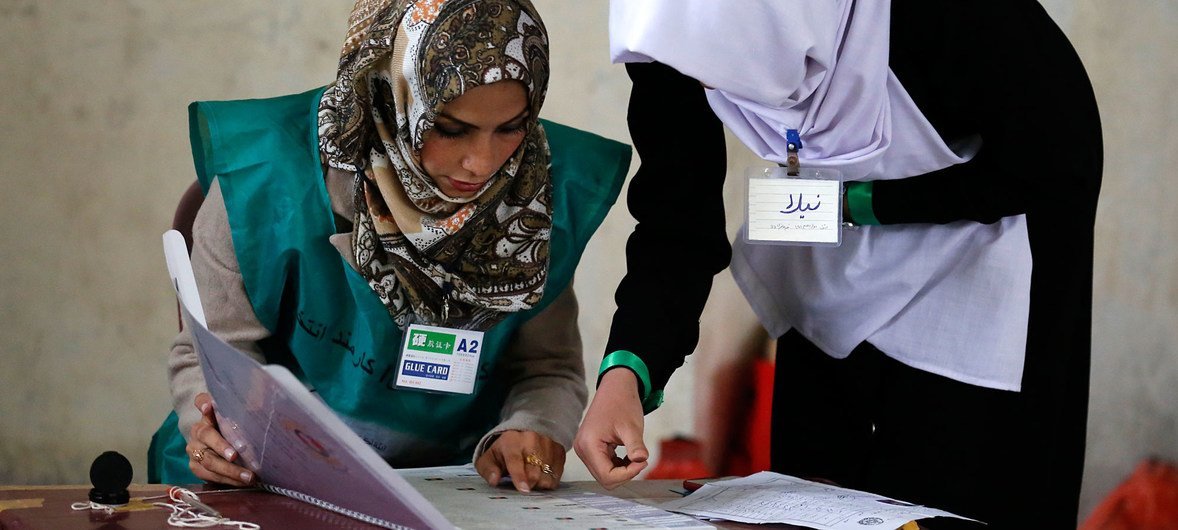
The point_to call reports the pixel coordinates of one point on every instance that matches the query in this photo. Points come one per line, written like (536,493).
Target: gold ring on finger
(199,454)
(534,460)
(547,470)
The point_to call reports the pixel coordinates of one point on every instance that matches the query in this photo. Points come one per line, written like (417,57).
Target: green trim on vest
(328,325)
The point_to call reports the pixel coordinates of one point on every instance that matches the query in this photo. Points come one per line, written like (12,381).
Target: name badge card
(806,209)
(436,359)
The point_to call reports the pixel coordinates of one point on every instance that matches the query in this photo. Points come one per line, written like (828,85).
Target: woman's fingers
(550,462)
(204,402)
(513,460)
(203,453)
(556,455)
(209,466)
(614,419)
(205,431)
(207,434)
(489,468)
(532,460)
(209,456)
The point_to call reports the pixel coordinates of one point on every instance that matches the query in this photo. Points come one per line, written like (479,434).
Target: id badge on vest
(794,206)
(438,359)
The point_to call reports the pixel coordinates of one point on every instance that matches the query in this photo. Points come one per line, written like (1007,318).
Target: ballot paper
(470,503)
(774,498)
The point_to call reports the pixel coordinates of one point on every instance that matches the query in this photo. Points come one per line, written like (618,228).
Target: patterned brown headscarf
(462,262)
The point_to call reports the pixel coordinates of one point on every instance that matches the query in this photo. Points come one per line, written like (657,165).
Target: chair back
(182,222)
(186,210)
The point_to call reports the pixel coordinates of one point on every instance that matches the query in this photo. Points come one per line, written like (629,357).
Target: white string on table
(189,512)
(91,505)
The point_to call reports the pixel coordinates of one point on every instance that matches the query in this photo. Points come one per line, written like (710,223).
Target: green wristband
(859,203)
(622,358)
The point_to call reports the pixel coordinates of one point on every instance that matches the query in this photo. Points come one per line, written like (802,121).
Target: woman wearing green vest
(418,197)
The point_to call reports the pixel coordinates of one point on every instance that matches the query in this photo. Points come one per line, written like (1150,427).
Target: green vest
(327,324)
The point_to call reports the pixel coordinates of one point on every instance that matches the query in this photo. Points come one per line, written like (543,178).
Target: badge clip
(793,144)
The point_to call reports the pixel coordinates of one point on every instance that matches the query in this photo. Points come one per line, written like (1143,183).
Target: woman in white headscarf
(940,354)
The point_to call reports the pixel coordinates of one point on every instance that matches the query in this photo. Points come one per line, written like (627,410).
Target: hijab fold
(431,258)
(772,65)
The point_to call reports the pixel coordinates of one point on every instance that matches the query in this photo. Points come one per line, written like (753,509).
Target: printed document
(774,498)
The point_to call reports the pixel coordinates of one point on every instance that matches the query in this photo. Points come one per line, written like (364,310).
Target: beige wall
(93,155)
(1129,49)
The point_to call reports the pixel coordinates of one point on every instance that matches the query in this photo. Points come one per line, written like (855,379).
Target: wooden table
(48,507)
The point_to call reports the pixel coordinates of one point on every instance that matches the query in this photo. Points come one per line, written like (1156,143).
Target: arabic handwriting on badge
(801,205)
(808,207)
(791,208)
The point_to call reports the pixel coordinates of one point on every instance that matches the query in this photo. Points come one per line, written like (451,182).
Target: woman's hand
(532,460)
(614,419)
(210,457)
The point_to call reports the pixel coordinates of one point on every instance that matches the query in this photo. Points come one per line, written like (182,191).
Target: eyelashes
(513,129)
(459,131)
(450,132)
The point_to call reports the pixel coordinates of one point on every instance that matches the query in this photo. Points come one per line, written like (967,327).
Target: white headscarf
(818,67)
(919,292)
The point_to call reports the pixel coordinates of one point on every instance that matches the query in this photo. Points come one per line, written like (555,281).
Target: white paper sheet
(774,498)
(180,270)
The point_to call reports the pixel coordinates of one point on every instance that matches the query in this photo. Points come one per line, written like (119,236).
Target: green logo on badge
(431,341)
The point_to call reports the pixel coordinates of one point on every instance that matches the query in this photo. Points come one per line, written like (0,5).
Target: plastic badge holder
(447,368)
(804,209)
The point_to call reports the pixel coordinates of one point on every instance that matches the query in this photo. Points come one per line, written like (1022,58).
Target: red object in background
(749,443)
(678,458)
(1148,499)
(757,433)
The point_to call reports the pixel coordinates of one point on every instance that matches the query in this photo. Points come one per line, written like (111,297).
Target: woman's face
(474,135)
